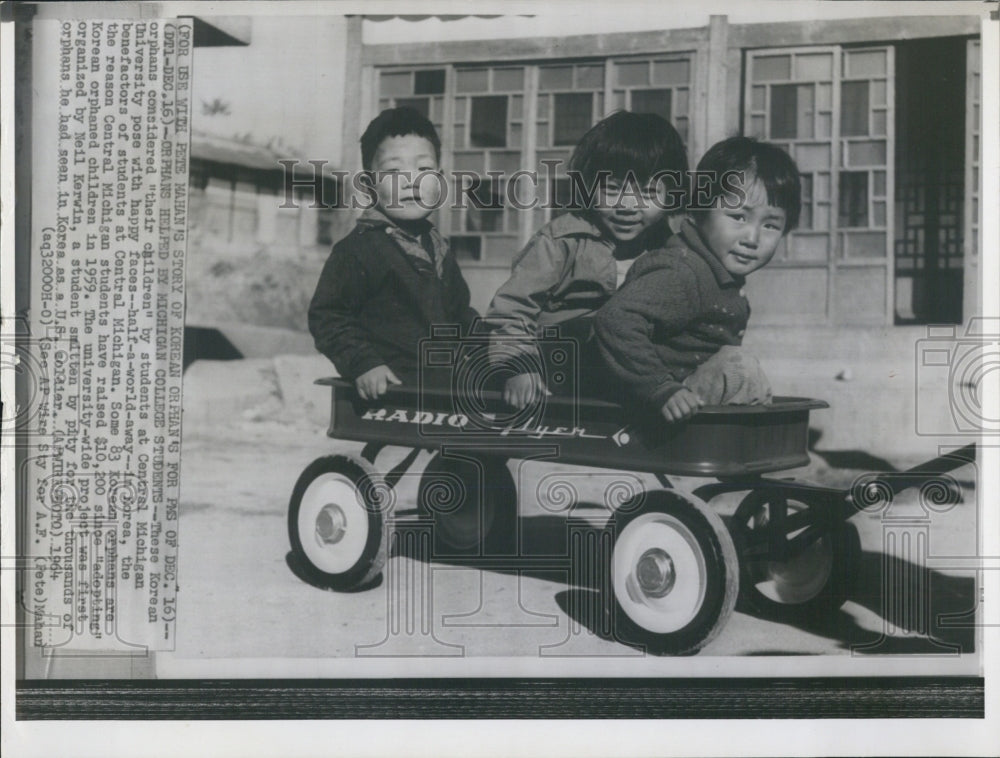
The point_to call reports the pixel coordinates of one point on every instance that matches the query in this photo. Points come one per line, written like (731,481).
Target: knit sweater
(677,308)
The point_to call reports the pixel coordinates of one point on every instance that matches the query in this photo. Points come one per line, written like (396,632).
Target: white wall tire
(674,574)
(336,525)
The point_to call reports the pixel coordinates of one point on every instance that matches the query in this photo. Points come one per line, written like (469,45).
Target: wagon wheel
(336,525)
(473,503)
(815,576)
(674,574)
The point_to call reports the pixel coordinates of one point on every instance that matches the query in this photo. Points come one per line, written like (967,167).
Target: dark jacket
(677,307)
(374,303)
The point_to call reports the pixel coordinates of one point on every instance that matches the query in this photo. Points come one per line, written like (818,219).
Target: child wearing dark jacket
(671,334)
(393,277)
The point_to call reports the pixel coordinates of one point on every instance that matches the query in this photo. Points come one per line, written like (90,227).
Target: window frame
(838,264)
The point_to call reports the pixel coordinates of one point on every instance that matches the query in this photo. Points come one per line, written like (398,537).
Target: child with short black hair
(671,334)
(393,276)
(627,164)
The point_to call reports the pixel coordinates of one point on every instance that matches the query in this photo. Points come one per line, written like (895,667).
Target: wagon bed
(719,441)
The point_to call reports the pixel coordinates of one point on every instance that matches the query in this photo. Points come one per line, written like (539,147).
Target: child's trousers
(730,377)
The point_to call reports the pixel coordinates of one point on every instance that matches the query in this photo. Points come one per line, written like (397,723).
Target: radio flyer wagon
(675,567)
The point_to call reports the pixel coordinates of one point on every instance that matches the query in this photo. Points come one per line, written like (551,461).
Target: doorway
(930,180)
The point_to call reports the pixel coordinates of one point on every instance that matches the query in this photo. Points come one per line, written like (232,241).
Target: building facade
(881,115)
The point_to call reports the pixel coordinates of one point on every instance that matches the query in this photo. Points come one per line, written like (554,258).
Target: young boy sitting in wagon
(393,276)
(630,162)
(671,334)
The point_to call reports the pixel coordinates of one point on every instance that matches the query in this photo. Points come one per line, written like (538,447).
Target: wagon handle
(925,472)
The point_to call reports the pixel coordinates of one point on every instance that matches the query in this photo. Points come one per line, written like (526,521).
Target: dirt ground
(241,598)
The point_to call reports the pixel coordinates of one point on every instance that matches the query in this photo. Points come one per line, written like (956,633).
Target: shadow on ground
(922,611)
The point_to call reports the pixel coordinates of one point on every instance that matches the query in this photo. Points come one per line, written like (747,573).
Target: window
(487,136)
(488,123)
(485,213)
(828,107)
(784,111)
(429,82)
(422,90)
(853,194)
(506,117)
(854,109)
(659,85)
(652,101)
(572,118)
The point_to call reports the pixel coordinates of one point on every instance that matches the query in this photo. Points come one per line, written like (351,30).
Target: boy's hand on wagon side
(681,405)
(524,389)
(375,382)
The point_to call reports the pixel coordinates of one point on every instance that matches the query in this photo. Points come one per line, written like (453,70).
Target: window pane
(866,153)
(428,82)
(471,81)
(485,213)
(807,187)
(806,217)
(865,245)
(573,117)
(869,63)
(508,79)
(853,210)
(488,126)
(784,111)
(821,186)
(555,77)
(671,72)
(808,67)
(878,92)
(542,134)
(758,98)
(506,161)
(516,106)
(633,74)
(772,68)
(878,213)
(878,178)
(824,122)
(468,162)
(805,111)
(808,247)
(395,84)
(853,109)
(590,77)
(515,135)
(419,104)
(681,101)
(805,220)
(878,122)
(821,216)
(652,101)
